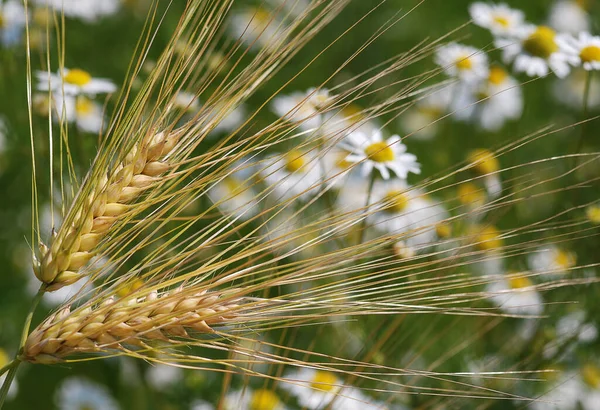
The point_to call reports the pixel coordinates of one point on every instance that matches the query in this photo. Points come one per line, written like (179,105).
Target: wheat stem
(12,371)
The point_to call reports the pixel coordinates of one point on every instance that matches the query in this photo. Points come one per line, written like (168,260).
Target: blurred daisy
(231,120)
(302,107)
(186,101)
(570,90)
(14,387)
(235,195)
(584,47)
(421,120)
(294,173)
(592,213)
(500,19)
(81,110)
(349,118)
(255,26)
(515,294)
(574,390)
(74,82)
(248,399)
(574,324)
(88,10)
(408,211)
(569,16)
(551,261)
(373,152)
(314,389)
(491,102)
(464,62)
(536,50)
(12,22)
(162,376)
(486,237)
(485,164)
(77,393)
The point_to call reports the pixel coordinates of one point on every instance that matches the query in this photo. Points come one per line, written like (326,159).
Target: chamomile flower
(463,62)
(186,101)
(515,294)
(570,90)
(373,152)
(235,195)
(162,376)
(551,261)
(490,103)
(407,211)
(485,164)
(302,107)
(486,238)
(314,389)
(12,22)
(74,82)
(584,47)
(536,51)
(84,112)
(569,16)
(348,119)
(255,26)
(294,173)
(248,399)
(500,19)
(421,121)
(574,390)
(87,10)
(76,394)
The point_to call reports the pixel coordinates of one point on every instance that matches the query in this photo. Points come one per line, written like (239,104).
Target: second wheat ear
(73,246)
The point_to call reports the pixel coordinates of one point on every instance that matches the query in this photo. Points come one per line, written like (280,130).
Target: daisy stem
(363,225)
(586,97)
(14,365)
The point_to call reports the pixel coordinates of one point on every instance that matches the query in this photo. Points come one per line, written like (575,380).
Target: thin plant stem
(6,368)
(14,365)
(585,109)
(363,225)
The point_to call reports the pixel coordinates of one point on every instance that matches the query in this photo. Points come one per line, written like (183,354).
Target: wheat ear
(127,321)
(73,246)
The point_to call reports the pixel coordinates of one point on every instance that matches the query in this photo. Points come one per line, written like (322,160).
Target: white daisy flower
(186,101)
(421,121)
(464,62)
(373,152)
(569,16)
(536,50)
(570,90)
(500,19)
(573,325)
(235,195)
(515,294)
(574,390)
(491,102)
(485,163)
(84,112)
(551,261)
(12,22)
(77,393)
(88,10)
(14,387)
(302,107)
(248,399)
(408,211)
(255,26)
(162,376)
(314,389)
(73,82)
(294,173)
(232,120)
(348,119)
(584,47)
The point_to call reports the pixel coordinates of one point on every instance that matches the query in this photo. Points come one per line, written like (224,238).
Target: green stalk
(14,365)
(586,101)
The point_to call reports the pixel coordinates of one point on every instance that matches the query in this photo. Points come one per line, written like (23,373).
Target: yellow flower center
(353,111)
(593,213)
(483,161)
(590,54)
(395,201)
(129,287)
(464,63)
(541,43)
(564,259)
(443,230)
(487,238)
(469,194)
(3,358)
(341,161)
(501,20)
(84,106)
(519,282)
(261,16)
(380,152)
(497,75)
(264,399)
(78,77)
(294,161)
(324,381)
(591,375)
